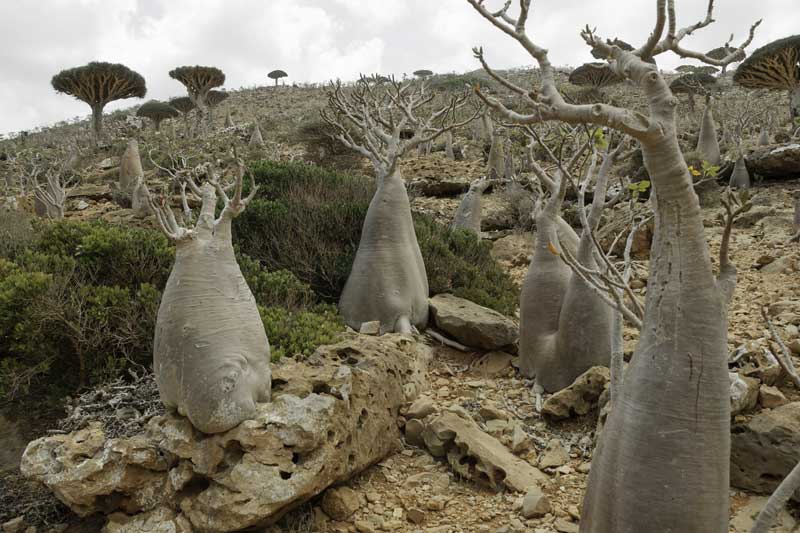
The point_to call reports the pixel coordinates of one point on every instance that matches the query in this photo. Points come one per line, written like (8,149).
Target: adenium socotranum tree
(388,282)
(663,460)
(211,354)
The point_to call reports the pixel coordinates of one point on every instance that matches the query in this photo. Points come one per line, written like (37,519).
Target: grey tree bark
(211,354)
(707,143)
(468,213)
(130,167)
(740,178)
(662,463)
(388,282)
(496,164)
(794,103)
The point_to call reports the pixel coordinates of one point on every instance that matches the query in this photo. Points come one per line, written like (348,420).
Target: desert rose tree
(211,354)
(663,460)
(388,282)
(198,82)
(97,84)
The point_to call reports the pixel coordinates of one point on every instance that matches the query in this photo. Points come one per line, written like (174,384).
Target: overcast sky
(313,40)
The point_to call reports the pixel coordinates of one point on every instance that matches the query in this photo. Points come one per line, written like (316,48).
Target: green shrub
(293,333)
(308,220)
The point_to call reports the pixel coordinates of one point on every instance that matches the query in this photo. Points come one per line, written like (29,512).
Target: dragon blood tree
(157,112)
(277,75)
(198,82)
(595,77)
(184,105)
(388,282)
(692,84)
(774,66)
(97,84)
(663,459)
(213,99)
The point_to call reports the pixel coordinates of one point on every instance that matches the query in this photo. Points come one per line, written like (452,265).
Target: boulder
(478,456)
(776,162)
(332,416)
(744,393)
(472,324)
(765,449)
(580,397)
(771,397)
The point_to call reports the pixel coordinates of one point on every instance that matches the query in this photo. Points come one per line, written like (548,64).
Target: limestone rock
(160,520)
(340,502)
(332,416)
(472,324)
(744,393)
(493,364)
(771,397)
(478,456)
(421,408)
(554,455)
(370,328)
(413,432)
(580,397)
(535,503)
(765,449)
(776,162)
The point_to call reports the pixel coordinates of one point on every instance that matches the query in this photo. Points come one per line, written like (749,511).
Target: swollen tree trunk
(130,168)
(740,178)
(211,354)
(388,281)
(497,160)
(468,214)
(707,143)
(763,138)
(585,322)
(662,463)
(544,288)
(448,146)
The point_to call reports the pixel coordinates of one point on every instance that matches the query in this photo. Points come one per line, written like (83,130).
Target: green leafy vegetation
(308,220)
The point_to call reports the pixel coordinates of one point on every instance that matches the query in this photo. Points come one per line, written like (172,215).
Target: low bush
(299,333)
(308,220)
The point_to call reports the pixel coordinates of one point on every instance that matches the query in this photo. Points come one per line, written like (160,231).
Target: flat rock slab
(478,456)
(580,397)
(332,416)
(765,449)
(776,162)
(471,324)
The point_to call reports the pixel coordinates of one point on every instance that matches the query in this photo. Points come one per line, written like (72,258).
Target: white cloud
(313,40)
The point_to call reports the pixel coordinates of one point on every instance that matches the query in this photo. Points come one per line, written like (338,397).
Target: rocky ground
(414,491)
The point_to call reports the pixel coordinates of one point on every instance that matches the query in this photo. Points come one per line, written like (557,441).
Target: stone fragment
(580,397)
(563,525)
(520,441)
(554,455)
(476,455)
(413,432)
(493,364)
(535,503)
(422,407)
(370,328)
(340,503)
(490,411)
(771,397)
(415,515)
(472,324)
(160,520)
(744,393)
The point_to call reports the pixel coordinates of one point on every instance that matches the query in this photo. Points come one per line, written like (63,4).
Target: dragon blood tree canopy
(215,98)
(595,75)
(99,83)
(276,75)
(183,104)
(157,112)
(774,66)
(198,81)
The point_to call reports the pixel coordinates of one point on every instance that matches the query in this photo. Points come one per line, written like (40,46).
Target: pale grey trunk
(256,139)
(496,164)
(707,143)
(740,178)
(585,325)
(130,168)
(139,199)
(448,146)
(468,214)
(509,165)
(211,354)
(388,282)
(763,138)
(662,463)
(228,119)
